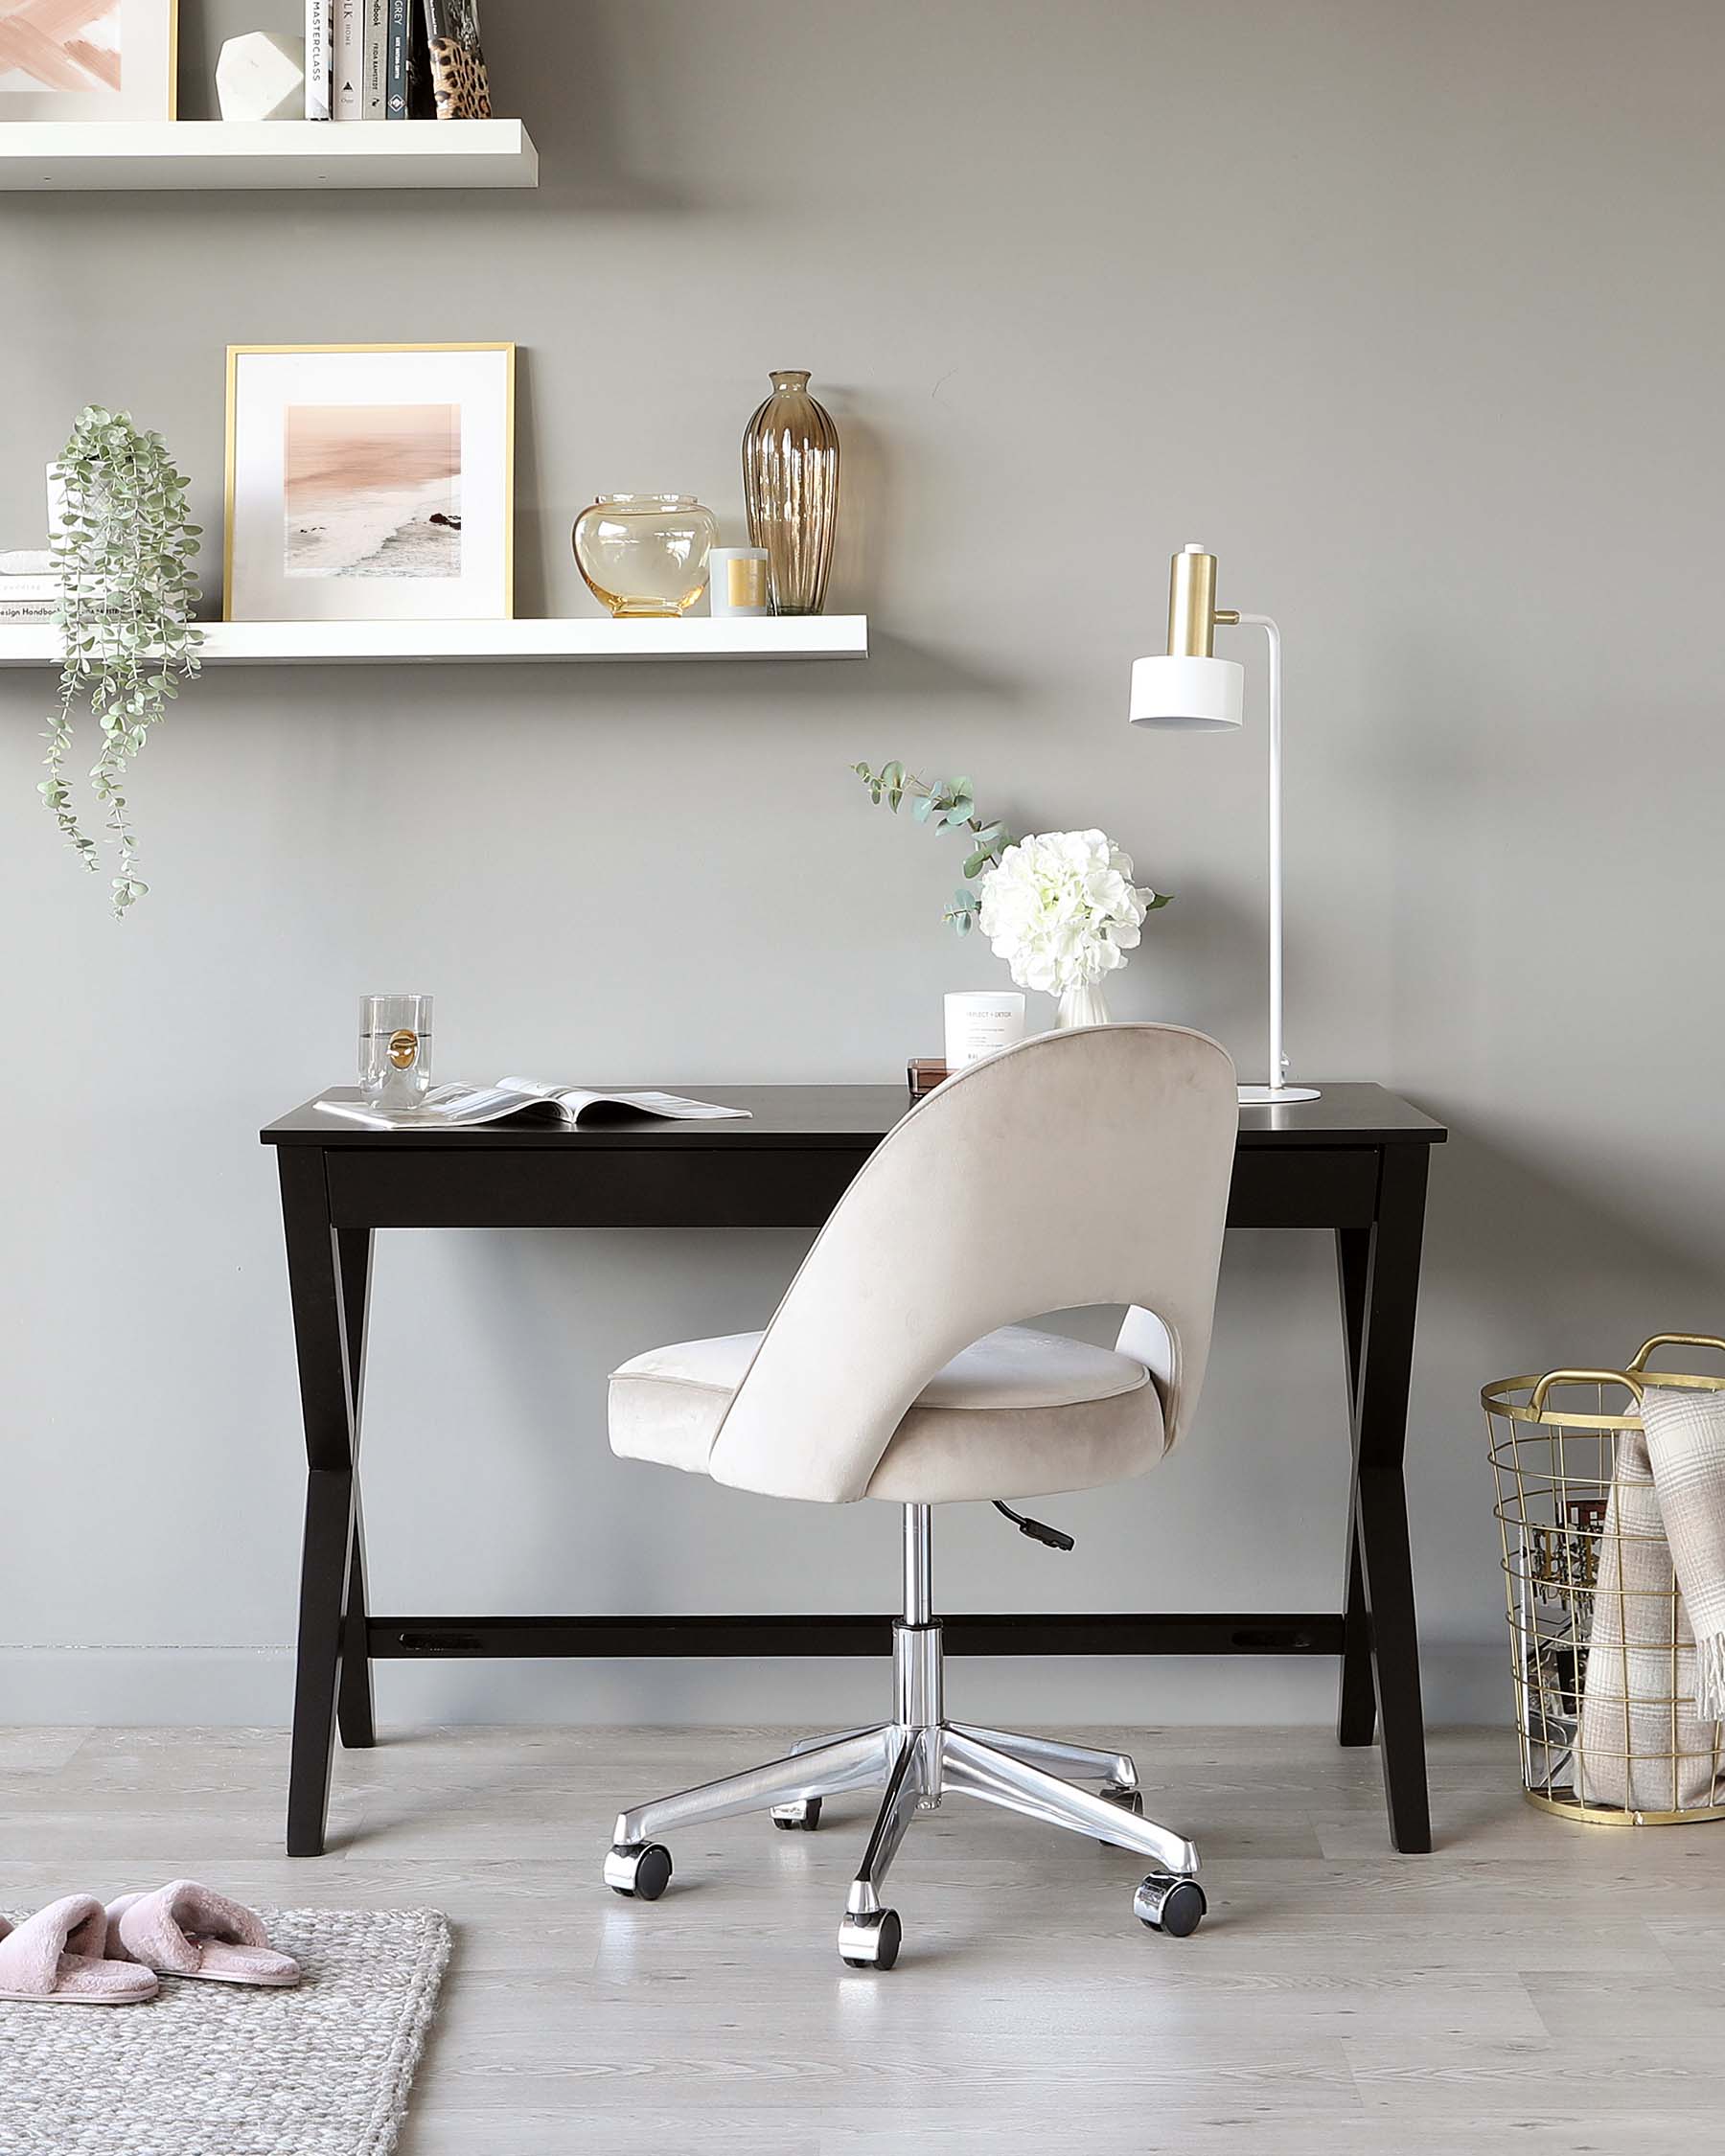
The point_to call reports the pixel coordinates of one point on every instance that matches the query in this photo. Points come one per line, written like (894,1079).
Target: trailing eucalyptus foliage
(123,551)
(948,805)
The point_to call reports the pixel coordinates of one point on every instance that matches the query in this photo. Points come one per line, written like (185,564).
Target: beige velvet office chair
(1081,1167)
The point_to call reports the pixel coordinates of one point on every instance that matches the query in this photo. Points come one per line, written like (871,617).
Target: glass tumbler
(395,1049)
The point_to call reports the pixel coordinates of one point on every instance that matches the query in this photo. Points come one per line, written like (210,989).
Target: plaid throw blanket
(1654,1695)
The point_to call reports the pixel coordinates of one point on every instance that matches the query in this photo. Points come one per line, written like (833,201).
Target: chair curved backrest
(1090,1167)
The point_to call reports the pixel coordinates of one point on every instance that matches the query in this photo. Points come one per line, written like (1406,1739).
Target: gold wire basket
(1629,1751)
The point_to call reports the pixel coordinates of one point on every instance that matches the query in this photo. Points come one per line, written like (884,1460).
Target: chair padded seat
(1020,1413)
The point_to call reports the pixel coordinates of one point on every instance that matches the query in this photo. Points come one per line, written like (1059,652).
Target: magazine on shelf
(524,1101)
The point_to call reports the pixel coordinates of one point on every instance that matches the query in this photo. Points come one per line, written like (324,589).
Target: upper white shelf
(384,643)
(68,156)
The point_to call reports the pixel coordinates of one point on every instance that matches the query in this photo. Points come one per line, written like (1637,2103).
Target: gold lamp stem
(1192,614)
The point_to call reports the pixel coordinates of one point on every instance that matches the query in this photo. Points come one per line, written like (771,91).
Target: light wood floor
(1531,1985)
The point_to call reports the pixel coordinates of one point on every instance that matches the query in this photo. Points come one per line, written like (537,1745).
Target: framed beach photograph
(87,59)
(370,482)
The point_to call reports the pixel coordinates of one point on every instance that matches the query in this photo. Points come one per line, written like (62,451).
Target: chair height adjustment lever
(1051,1538)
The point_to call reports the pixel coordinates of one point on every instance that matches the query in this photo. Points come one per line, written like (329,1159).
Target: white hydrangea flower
(1062,910)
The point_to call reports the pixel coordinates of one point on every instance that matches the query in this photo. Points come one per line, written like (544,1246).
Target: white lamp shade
(1200,694)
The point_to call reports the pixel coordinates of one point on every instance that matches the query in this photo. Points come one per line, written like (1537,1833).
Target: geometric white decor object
(262,76)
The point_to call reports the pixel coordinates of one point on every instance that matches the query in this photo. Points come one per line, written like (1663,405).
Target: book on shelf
(320,25)
(13,588)
(28,609)
(524,1103)
(347,62)
(395,61)
(458,85)
(374,60)
(422,100)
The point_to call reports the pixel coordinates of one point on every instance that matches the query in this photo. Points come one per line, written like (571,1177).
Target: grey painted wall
(1413,313)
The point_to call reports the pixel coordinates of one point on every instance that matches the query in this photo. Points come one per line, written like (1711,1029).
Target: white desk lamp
(1193,689)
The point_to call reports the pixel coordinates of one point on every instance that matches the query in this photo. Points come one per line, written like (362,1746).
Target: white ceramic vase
(1084,1005)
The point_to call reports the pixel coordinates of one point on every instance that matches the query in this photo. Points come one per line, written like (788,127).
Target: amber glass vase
(791,487)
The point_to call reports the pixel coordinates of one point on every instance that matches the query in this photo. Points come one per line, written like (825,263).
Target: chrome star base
(921,1758)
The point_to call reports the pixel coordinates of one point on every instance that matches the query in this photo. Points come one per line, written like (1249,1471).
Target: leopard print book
(458,82)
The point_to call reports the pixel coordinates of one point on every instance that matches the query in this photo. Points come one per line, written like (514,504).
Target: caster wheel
(805,1814)
(871,1941)
(640,1869)
(1169,1904)
(1128,1799)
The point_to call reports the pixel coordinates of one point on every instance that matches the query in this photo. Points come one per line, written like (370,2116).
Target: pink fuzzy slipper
(186,1930)
(55,1959)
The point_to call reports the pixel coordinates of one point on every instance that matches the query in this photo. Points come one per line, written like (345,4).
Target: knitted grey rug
(217,2070)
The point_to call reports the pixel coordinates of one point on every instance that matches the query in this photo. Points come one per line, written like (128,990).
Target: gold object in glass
(645,555)
(1555,1466)
(746,581)
(791,488)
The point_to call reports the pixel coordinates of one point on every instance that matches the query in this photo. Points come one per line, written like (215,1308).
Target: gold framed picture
(370,482)
(88,60)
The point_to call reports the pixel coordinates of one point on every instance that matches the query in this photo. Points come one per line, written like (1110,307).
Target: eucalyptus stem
(949,805)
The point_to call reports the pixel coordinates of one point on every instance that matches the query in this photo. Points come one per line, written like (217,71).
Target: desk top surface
(844,1118)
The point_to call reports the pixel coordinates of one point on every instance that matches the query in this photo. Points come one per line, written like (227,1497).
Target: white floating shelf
(403,643)
(123,156)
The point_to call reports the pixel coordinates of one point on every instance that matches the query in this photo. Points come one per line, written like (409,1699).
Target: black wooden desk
(1353,1161)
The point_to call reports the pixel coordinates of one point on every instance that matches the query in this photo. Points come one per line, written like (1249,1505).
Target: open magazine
(523,1101)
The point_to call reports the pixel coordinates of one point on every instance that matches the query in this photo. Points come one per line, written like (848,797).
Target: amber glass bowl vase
(645,555)
(790,489)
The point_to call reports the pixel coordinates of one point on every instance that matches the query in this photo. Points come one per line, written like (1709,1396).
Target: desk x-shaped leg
(1379,1273)
(330,1278)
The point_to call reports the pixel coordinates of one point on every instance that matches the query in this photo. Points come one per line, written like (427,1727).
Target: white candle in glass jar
(980,1020)
(737,583)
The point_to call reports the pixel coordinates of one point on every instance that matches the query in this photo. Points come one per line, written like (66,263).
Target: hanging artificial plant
(122,549)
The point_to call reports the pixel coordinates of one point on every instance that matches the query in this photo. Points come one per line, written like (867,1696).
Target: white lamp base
(1274,1096)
